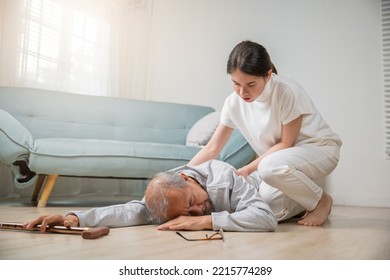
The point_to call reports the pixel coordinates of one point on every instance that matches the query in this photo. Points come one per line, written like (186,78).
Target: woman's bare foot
(320,214)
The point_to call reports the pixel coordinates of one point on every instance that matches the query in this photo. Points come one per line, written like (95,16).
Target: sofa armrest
(15,139)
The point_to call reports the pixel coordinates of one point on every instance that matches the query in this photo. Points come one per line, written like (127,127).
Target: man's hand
(53,220)
(188,223)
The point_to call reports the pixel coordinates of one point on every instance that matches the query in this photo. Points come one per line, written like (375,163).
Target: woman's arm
(214,146)
(289,136)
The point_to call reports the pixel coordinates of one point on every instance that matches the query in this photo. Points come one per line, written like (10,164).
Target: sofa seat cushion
(106,158)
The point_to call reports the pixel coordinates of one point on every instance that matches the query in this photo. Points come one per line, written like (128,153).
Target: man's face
(191,200)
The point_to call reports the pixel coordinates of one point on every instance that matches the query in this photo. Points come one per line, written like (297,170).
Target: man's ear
(185,177)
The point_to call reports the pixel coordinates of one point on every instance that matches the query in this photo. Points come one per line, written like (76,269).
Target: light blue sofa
(63,134)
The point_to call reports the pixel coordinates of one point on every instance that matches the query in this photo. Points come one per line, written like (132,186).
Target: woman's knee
(273,171)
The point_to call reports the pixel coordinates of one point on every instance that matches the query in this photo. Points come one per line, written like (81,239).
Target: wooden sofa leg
(37,188)
(47,188)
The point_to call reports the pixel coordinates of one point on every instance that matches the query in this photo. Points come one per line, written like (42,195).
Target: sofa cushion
(106,158)
(15,139)
(203,129)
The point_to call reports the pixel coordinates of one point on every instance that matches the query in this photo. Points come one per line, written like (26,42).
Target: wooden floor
(352,233)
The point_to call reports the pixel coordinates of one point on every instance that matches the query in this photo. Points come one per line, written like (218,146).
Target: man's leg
(281,205)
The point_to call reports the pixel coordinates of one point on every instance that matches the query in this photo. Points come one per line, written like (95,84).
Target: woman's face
(248,87)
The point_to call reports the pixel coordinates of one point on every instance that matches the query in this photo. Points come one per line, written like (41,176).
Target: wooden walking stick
(86,233)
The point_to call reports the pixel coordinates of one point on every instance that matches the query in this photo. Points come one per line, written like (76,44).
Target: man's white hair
(156,199)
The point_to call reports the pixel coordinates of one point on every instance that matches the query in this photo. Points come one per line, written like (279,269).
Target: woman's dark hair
(250,58)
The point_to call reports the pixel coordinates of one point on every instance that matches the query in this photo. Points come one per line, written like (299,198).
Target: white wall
(332,47)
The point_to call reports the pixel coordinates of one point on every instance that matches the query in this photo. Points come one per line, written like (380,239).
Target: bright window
(62,45)
(95,47)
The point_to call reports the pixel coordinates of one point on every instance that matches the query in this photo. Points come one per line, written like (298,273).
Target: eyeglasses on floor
(215,236)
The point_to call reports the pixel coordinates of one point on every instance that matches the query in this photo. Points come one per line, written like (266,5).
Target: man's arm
(132,213)
(188,223)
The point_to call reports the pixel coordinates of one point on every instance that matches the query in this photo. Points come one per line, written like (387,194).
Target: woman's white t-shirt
(281,102)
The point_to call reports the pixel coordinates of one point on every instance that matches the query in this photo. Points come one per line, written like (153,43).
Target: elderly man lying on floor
(207,196)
